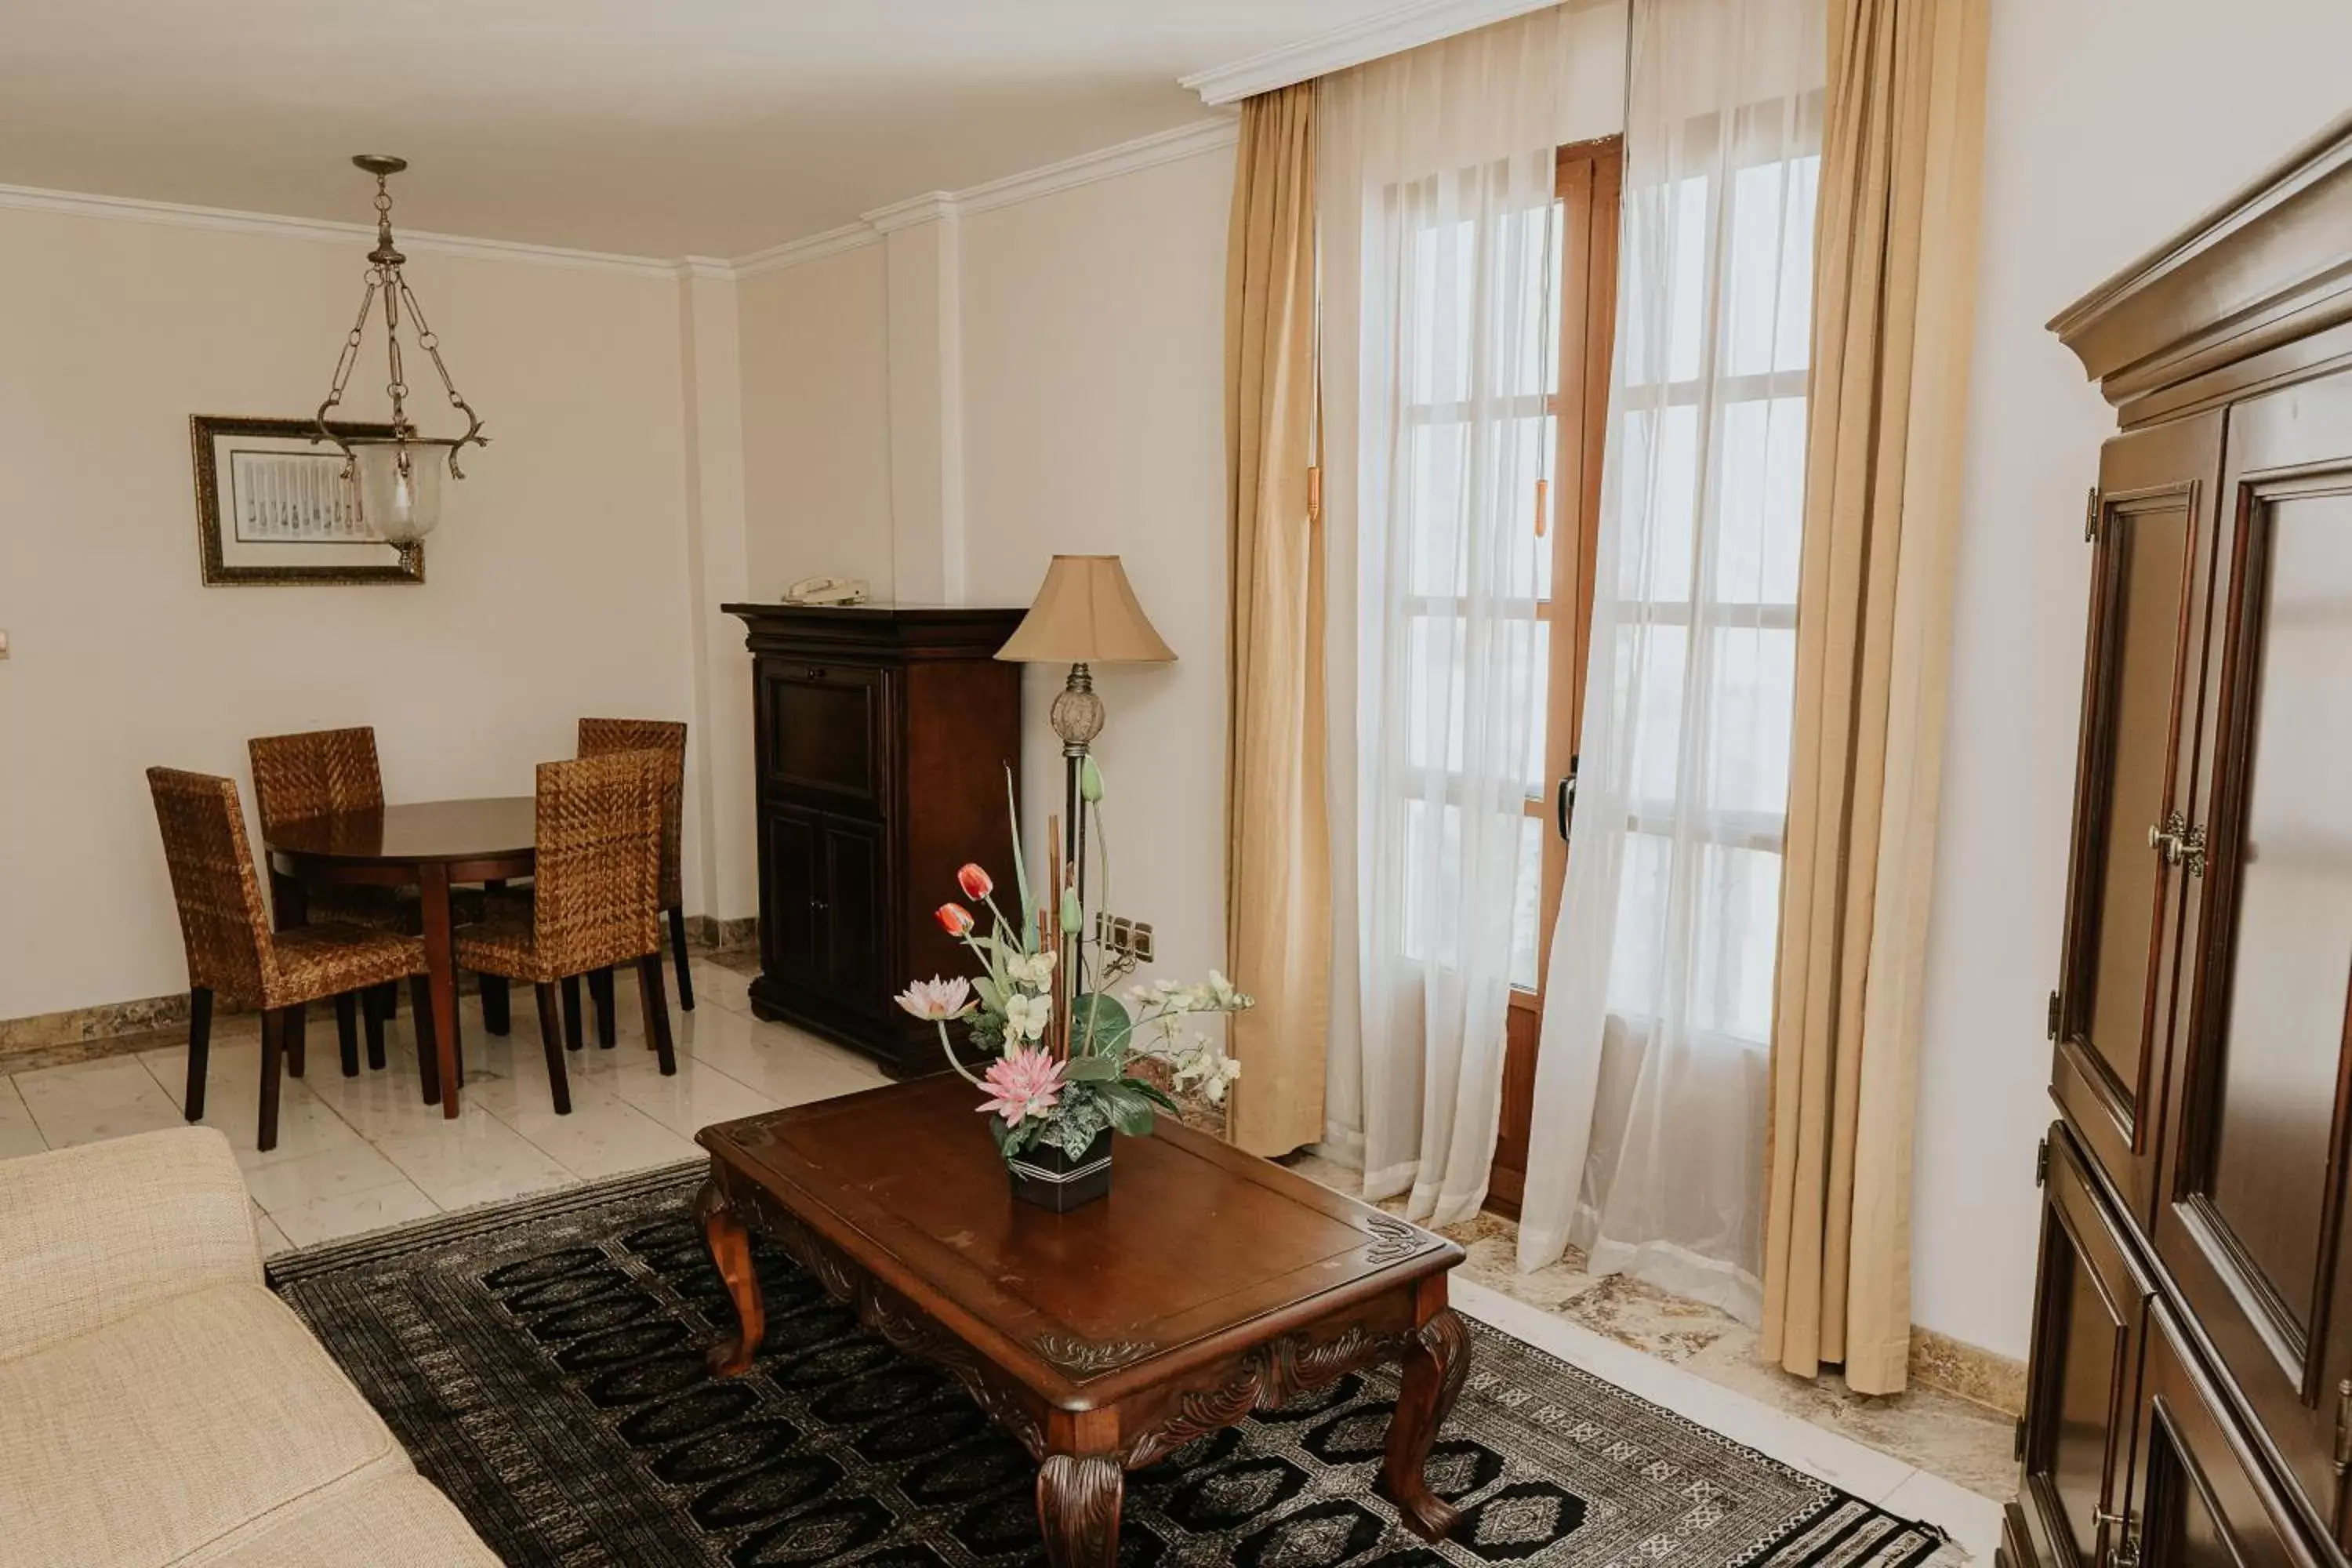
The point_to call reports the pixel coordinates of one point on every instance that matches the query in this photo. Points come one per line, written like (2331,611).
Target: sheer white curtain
(1650,1088)
(1440,261)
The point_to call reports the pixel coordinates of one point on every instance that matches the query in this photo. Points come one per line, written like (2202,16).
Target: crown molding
(223,220)
(1386,32)
(934,206)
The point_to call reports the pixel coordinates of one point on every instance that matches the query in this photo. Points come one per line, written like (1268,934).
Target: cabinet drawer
(824,731)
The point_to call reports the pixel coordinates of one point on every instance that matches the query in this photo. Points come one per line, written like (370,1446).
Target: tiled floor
(355,1154)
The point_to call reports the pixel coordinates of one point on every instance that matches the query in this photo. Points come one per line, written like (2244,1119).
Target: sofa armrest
(94,1234)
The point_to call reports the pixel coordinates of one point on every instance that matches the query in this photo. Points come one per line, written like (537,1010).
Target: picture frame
(273,509)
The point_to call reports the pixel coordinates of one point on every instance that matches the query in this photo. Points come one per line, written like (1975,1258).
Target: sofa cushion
(168,1432)
(391,1521)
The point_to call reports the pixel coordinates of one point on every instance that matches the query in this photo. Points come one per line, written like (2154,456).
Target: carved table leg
(1077,1510)
(730,1250)
(1433,1370)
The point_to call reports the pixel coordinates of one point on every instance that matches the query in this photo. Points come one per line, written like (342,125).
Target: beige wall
(556,585)
(1094,410)
(816,422)
(2110,124)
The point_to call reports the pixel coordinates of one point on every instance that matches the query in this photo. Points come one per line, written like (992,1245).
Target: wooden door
(793,845)
(1590,177)
(2090,1311)
(2253,1226)
(2201,1499)
(851,913)
(825,731)
(2151,524)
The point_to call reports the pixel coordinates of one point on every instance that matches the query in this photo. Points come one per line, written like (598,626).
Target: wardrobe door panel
(2253,1229)
(2150,575)
(2089,1307)
(2204,1500)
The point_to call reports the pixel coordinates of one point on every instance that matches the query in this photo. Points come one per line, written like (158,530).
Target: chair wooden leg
(549,1038)
(275,1027)
(200,1048)
(678,957)
(428,1062)
(656,1006)
(296,1037)
(372,1016)
(571,1021)
(495,1016)
(600,992)
(347,1032)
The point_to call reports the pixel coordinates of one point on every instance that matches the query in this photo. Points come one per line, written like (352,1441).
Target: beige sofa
(159,1406)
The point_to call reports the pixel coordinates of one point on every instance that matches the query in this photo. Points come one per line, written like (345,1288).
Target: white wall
(2109,125)
(556,585)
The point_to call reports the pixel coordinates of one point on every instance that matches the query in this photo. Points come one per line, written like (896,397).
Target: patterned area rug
(542,1363)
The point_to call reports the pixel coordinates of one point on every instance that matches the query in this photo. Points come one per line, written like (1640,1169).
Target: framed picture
(273,507)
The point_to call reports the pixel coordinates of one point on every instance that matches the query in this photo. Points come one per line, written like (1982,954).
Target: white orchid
(1026,1017)
(936,1000)
(1033,970)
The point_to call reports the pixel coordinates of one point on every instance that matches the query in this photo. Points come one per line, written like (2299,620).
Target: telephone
(827,590)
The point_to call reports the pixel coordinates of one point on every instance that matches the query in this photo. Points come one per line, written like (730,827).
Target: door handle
(2178,843)
(1564,800)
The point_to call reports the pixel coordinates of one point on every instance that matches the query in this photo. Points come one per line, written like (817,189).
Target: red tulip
(975,882)
(954,919)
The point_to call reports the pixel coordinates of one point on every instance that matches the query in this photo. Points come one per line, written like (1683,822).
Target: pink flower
(936,1000)
(974,882)
(1023,1083)
(954,919)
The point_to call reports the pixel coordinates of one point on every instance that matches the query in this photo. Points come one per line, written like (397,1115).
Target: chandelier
(397,477)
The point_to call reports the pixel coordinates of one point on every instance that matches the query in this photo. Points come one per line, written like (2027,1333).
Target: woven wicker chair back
(601,737)
(598,871)
(316,773)
(223,921)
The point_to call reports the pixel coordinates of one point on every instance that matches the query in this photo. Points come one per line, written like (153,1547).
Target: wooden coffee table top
(1199,1250)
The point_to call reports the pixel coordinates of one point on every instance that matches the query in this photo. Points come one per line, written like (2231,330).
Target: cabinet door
(2204,1500)
(825,731)
(2150,583)
(2090,1310)
(2252,1230)
(791,842)
(852,913)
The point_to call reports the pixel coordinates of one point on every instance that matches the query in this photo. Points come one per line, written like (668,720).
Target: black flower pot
(1044,1175)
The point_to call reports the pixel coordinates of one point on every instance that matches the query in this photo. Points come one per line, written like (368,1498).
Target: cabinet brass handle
(2178,843)
(811,672)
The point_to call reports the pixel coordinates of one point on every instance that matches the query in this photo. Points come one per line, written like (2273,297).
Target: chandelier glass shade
(397,478)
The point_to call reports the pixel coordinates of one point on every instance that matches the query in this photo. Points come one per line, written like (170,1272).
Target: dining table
(431,846)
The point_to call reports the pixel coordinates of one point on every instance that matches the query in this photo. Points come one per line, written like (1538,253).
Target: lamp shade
(1086,613)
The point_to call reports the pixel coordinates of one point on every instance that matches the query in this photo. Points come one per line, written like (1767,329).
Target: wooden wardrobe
(2190,1393)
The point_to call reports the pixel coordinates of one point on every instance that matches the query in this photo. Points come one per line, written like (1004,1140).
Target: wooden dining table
(428,845)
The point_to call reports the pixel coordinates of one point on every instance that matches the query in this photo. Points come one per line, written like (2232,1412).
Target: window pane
(1538,710)
(1527,904)
(1762,497)
(1767,320)
(1436,454)
(1754,693)
(1432,692)
(1440,273)
(1519,454)
(1738,897)
(1660,504)
(1665,227)
(1651,666)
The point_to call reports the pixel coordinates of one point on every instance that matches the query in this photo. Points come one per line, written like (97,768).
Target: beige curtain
(1894,258)
(1278,838)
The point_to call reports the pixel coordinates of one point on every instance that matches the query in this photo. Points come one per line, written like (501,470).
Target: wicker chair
(320,773)
(234,956)
(594,903)
(602,737)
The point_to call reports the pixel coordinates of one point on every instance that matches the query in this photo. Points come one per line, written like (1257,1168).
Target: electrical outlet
(1120,935)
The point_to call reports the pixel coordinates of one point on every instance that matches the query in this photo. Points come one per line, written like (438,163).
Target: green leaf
(1151,1091)
(1020,864)
(1101,1025)
(990,996)
(1090,1070)
(1130,1111)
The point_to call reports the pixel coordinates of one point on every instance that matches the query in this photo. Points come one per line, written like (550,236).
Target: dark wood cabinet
(2190,1392)
(881,737)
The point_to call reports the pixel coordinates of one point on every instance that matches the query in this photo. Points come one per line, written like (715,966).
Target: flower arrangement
(1063,1047)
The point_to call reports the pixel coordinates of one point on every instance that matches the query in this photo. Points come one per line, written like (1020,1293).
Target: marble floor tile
(91,1101)
(355,1167)
(604,1135)
(716,983)
(476,1159)
(1973,1522)
(267,1236)
(353,1213)
(696,1098)
(306,1124)
(18,1136)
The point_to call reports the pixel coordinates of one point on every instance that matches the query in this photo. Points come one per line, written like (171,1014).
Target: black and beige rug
(542,1363)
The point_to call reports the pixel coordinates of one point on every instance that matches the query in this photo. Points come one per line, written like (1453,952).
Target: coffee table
(1210,1283)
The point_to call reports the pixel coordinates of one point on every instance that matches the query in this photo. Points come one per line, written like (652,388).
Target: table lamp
(1084,614)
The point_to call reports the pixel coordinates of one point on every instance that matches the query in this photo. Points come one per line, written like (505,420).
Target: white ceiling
(649,127)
